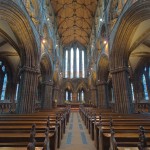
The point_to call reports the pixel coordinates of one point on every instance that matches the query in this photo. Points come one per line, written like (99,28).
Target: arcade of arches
(54,52)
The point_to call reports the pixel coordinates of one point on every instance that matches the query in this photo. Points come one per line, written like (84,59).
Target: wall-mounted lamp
(43,41)
(105,42)
(101,20)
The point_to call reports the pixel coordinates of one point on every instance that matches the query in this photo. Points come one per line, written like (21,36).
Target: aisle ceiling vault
(74,19)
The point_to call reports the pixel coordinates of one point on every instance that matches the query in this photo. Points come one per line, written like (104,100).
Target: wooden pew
(41,121)
(7,127)
(21,139)
(133,121)
(130,139)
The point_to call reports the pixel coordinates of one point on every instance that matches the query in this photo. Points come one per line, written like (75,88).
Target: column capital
(49,83)
(56,88)
(100,83)
(119,69)
(29,69)
(93,88)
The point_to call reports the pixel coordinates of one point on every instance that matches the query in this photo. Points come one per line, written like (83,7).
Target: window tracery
(74,63)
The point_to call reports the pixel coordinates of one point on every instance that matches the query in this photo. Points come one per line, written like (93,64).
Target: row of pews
(42,130)
(113,131)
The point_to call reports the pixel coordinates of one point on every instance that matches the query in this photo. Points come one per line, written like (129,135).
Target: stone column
(122,90)
(93,96)
(102,94)
(28,91)
(61,96)
(136,92)
(47,94)
(56,95)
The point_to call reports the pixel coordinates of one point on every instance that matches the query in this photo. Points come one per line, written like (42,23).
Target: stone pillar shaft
(27,90)
(102,89)
(93,96)
(122,91)
(56,95)
(47,95)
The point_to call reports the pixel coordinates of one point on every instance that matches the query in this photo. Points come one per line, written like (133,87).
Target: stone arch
(103,68)
(45,85)
(121,48)
(103,36)
(33,8)
(115,8)
(48,44)
(22,29)
(46,67)
(69,86)
(98,46)
(103,31)
(102,78)
(83,86)
(136,79)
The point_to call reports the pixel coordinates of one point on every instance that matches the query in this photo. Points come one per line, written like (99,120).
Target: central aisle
(76,136)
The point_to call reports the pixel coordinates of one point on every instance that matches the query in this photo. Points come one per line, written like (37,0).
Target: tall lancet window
(74,62)
(145,88)
(4,83)
(66,64)
(149,73)
(83,71)
(82,95)
(132,90)
(16,91)
(66,96)
(77,63)
(71,63)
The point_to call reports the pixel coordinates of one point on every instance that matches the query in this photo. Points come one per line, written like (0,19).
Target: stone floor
(76,136)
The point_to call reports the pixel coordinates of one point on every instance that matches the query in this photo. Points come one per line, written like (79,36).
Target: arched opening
(46,43)
(104,87)
(81,96)
(21,53)
(131,44)
(45,82)
(32,7)
(74,61)
(68,95)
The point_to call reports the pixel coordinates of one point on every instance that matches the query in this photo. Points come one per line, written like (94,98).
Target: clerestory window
(74,63)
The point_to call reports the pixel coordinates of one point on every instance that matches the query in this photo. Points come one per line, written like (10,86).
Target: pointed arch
(81,86)
(103,68)
(127,27)
(48,44)
(46,66)
(69,86)
(22,27)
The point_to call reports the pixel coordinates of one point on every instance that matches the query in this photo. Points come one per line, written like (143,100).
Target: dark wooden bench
(11,126)
(99,127)
(26,139)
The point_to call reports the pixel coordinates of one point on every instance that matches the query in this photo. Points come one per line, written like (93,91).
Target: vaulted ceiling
(74,19)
